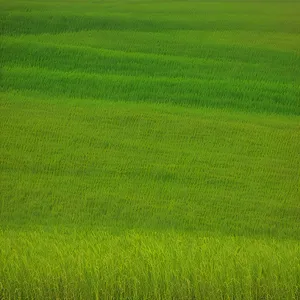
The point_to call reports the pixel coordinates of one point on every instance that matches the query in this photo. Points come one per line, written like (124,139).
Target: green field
(150,149)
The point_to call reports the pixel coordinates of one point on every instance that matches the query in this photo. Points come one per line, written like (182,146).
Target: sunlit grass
(98,265)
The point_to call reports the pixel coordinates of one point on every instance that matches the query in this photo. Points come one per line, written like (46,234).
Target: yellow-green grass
(150,150)
(134,265)
(154,167)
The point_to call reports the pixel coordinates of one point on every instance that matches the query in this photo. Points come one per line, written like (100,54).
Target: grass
(98,265)
(150,150)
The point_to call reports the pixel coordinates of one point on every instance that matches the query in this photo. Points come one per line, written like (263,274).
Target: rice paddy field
(150,149)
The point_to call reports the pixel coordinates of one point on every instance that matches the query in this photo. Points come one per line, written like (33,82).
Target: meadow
(150,149)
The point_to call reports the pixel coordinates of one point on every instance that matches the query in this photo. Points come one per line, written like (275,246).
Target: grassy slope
(118,196)
(238,55)
(147,166)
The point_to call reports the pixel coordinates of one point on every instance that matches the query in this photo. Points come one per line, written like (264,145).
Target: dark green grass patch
(229,55)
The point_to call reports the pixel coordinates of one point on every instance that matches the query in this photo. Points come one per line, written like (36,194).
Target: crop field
(150,149)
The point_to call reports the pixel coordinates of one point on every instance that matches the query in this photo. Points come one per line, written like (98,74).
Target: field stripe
(245,95)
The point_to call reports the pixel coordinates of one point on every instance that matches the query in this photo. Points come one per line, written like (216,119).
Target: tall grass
(149,150)
(98,265)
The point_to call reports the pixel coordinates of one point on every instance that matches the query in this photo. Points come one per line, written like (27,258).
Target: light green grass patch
(98,265)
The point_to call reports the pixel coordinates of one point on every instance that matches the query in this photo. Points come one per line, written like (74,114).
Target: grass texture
(150,150)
